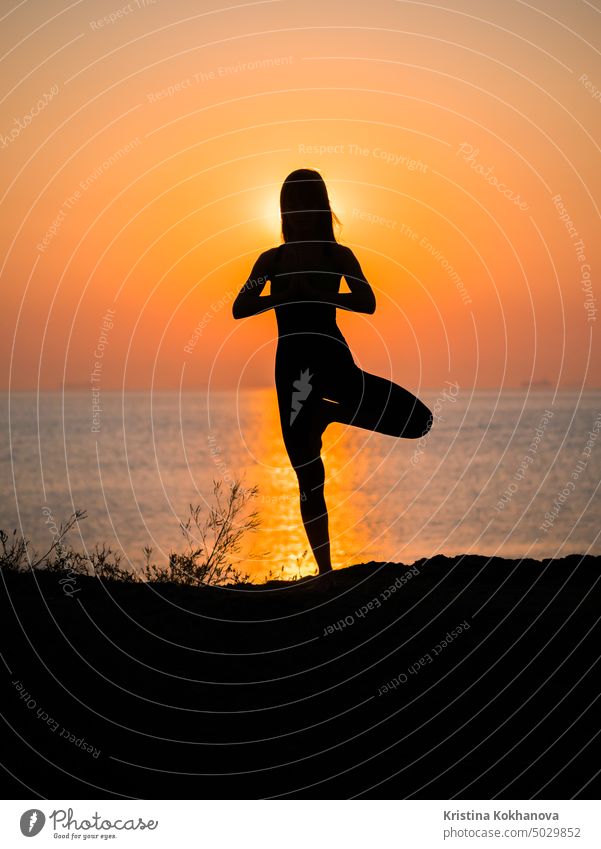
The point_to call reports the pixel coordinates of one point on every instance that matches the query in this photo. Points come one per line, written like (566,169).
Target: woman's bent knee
(419,424)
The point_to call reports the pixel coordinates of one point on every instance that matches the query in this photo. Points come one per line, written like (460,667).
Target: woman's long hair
(305,207)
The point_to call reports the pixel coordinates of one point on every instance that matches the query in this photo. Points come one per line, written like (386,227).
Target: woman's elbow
(237,310)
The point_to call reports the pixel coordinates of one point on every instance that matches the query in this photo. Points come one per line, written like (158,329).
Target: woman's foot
(322,582)
(326,580)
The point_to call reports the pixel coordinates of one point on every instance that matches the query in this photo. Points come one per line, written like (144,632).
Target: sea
(514,474)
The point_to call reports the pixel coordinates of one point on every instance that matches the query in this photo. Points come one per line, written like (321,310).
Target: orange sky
(147,183)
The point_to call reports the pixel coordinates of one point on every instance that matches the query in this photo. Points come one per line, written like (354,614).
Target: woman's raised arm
(361,298)
(249,300)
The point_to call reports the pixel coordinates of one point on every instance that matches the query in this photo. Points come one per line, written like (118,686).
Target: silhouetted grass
(211,540)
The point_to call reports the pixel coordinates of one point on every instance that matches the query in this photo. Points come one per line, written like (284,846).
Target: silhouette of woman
(316,378)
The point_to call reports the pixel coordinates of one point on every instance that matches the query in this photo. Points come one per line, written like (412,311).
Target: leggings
(310,398)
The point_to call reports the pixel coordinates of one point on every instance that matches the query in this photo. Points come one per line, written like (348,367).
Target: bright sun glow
(269,210)
(270,217)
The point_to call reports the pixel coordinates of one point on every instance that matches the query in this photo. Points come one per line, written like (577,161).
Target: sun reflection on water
(281,546)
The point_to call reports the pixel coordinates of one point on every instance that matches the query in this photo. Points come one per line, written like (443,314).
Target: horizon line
(571,387)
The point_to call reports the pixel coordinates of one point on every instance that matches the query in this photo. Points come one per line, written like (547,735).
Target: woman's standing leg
(314,512)
(302,438)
